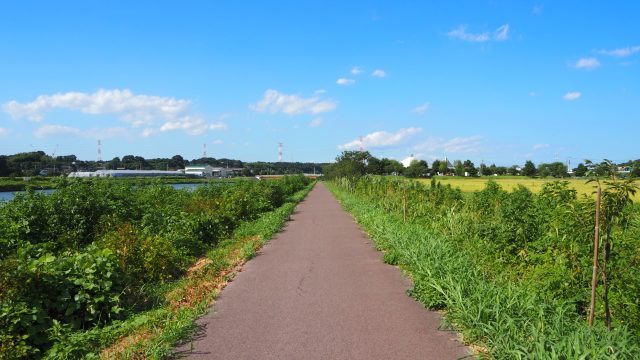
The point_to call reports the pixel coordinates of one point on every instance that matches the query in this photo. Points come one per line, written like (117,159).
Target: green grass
(154,333)
(491,311)
(469,184)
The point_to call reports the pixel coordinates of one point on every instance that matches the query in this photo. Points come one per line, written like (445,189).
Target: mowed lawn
(510,182)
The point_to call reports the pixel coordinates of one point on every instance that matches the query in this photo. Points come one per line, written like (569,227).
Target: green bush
(95,250)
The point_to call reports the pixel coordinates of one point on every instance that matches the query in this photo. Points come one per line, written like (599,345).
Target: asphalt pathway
(319,290)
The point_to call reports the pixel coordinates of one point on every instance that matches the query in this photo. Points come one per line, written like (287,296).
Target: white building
(126,173)
(207,171)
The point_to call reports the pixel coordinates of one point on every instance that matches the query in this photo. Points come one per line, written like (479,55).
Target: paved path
(319,290)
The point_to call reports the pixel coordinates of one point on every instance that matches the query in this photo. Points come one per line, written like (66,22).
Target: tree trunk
(596,246)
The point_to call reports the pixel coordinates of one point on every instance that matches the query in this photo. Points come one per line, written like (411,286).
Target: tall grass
(439,237)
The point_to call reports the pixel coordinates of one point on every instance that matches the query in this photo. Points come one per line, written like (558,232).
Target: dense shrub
(512,269)
(544,240)
(86,254)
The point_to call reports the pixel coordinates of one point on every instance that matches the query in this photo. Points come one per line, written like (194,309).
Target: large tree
(529,169)
(417,168)
(349,164)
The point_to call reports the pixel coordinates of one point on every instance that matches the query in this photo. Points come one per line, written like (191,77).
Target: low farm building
(126,173)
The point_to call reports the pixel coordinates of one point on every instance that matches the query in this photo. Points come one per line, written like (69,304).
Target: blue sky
(499,81)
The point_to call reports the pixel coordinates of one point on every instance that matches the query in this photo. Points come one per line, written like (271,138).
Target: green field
(511,182)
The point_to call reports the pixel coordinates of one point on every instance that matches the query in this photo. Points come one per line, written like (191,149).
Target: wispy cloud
(217,142)
(62,130)
(421,109)
(4,131)
(540,146)
(501,33)
(276,102)
(379,73)
(587,63)
(462,34)
(622,52)
(457,145)
(345,81)
(315,122)
(381,139)
(573,95)
(356,70)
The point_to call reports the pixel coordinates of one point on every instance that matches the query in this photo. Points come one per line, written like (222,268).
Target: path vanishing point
(319,290)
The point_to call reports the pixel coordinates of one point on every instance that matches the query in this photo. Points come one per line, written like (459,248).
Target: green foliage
(513,268)
(529,169)
(95,251)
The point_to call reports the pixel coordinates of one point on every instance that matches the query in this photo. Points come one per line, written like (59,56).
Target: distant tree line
(39,163)
(358,163)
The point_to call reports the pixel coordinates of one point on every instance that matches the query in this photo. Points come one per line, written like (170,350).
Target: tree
(4,167)
(580,170)
(417,168)
(470,168)
(635,168)
(436,165)
(176,162)
(513,170)
(442,167)
(529,169)
(392,167)
(458,169)
(484,170)
(349,164)
(375,166)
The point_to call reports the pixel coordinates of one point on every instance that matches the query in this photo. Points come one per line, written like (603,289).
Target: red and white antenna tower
(99,159)
(361,146)
(279,152)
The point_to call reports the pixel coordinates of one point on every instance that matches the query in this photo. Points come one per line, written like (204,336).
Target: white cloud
(4,131)
(62,130)
(381,139)
(622,52)
(573,95)
(457,145)
(379,73)
(462,34)
(192,125)
(345,81)
(137,109)
(217,142)
(275,102)
(218,126)
(356,71)
(148,132)
(315,122)
(421,109)
(587,63)
(501,33)
(540,146)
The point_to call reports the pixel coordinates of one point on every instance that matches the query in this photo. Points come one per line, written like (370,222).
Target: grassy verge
(504,319)
(154,334)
